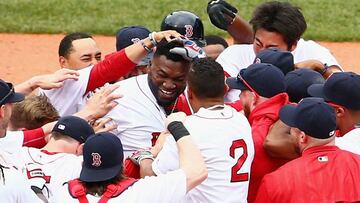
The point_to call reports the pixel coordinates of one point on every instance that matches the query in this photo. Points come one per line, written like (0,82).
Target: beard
(155,91)
(246,109)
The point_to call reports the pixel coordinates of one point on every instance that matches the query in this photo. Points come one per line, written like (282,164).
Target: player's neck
(58,146)
(207,103)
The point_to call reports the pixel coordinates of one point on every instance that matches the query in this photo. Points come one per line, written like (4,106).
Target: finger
(69,71)
(104,121)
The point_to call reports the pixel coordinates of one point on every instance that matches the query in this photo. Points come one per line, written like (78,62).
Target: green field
(332,20)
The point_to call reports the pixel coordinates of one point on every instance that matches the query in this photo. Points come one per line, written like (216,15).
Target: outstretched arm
(223,16)
(47,81)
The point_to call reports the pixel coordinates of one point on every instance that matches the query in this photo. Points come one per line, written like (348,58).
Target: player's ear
(62,62)
(79,150)
(190,92)
(340,112)
(2,111)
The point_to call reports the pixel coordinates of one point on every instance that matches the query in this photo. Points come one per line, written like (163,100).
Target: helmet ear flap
(185,23)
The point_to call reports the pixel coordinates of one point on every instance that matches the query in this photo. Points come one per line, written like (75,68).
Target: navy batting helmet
(187,24)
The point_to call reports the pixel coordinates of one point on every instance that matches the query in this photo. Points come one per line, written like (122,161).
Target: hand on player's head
(190,51)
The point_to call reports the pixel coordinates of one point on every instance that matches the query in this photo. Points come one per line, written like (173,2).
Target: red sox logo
(188,31)
(135,40)
(96,159)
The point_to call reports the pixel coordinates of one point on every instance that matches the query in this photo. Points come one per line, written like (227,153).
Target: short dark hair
(215,39)
(65,46)
(206,79)
(281,17)
(163,49)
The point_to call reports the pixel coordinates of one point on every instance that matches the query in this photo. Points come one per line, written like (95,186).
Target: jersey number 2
(235,176)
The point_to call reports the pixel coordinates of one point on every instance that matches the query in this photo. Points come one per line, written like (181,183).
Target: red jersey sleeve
(34,138)
(237,105)
(113,67)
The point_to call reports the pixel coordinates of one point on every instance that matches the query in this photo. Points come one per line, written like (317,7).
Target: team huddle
(176,116)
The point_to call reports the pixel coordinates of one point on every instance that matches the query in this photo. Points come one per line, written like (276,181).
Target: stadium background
(24,55)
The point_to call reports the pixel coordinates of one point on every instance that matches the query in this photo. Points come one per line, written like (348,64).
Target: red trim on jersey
(227,75)
(113,67)
(48,153)
(34,138)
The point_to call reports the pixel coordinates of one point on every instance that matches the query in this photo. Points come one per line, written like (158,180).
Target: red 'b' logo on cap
(96,159)
(188,31)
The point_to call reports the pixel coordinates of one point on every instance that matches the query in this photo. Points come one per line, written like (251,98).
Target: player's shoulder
(236,49)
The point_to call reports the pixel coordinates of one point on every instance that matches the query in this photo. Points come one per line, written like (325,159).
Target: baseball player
(149,98)
(340,92)
(261,103)
(59,159)
(102,180)
(129,35)
(280,25)
(323,173)
(110,69)
(225,143)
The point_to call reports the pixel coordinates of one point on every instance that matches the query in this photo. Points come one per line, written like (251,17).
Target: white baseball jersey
(58,168)
(350,141)
(239,56)
(223,136)
(15,188)
(170,187)
(138,115)
(71,97)
(10,145)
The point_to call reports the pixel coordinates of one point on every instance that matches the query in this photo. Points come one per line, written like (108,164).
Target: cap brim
(233,83)
(287,115)
(16,97)
(317,90)
(93,175)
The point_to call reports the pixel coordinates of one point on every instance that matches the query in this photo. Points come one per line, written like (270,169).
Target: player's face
(213,50)
(6,110)
(247,98)
(84,53)
(167,79)
(264,39)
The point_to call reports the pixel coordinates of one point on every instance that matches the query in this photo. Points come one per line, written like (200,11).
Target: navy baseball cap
(127,36)
(8,94)
(299,80)
(340,88)
(74,127)
(266,79)
(103,157)
(284,60)
(312,115)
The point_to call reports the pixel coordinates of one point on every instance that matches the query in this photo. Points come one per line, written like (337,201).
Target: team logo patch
(189,31)
(323,159)
(331,133)
(96,158)
(61,127)
(135,40)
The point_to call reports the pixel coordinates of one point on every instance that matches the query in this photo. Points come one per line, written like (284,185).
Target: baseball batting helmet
(187,24)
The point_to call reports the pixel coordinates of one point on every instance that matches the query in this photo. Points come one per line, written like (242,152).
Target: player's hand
(221,13)
(159,143)
(190,51)
(140,155)
(178,116)
(168,35)
(55,80)
(103,125)
(312,64)
(102,101)
(35,175)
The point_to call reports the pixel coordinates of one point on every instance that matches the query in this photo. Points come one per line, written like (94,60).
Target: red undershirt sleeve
(34,138)
(110,69)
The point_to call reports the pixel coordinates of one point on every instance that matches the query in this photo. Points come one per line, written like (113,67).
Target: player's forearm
(241,31)
(146,168)
(28,86)
(279,143)
(192,162)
